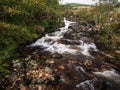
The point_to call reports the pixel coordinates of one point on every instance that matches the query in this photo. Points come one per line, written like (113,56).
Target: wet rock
(109,76)
(68,36)
(86,40)
(101,84)
(108,79)
(86,85)
(69,42)
(74,47)
(77,29)
(83,74)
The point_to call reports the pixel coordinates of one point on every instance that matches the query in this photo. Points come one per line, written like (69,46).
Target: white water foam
(111,75)
(85,47)
(50,42)
(68,23)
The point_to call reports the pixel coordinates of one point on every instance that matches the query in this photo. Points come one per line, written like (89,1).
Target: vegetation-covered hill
(23,20)
(76,4)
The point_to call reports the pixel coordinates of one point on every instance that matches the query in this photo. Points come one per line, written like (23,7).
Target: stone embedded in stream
(87,40)
(86,85)
(109,75)
(69,42)
(106,80)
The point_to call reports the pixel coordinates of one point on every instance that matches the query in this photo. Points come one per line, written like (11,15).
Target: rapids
(78,46)
(50,42)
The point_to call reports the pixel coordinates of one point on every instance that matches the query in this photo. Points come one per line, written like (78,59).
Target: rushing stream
(52,42)
(67,59)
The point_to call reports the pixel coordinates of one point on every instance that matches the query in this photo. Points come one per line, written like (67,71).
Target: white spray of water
(68,23)
(111,75)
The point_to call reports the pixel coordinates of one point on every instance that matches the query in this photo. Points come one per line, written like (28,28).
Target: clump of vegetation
(107,18)
(22,21)
(78,11)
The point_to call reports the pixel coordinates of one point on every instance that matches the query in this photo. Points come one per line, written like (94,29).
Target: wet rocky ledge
(43,70)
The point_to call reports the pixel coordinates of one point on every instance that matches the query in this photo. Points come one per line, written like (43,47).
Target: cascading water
(110,75)
(56,42)
(50,42)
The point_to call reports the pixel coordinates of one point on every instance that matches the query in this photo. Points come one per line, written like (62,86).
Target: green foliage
(106,17)
(84,15)
(22,21)
(103,32)
(117,5)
